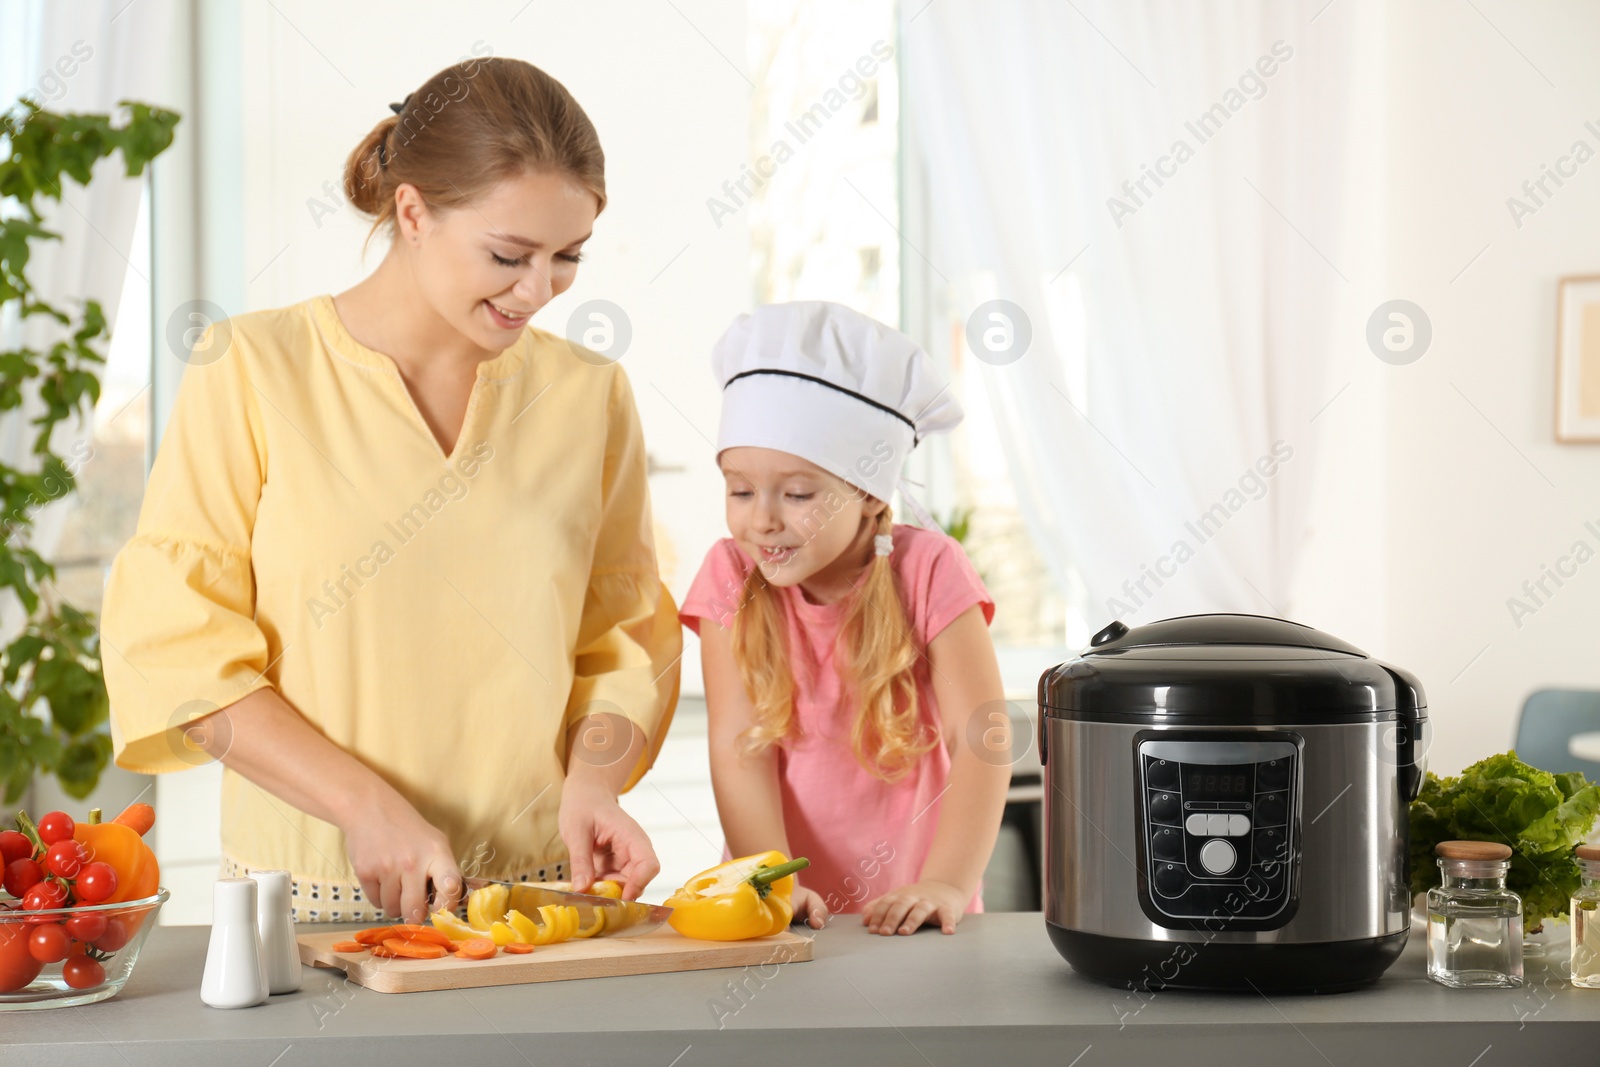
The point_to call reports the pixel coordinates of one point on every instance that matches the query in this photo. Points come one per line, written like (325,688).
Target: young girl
(845,657)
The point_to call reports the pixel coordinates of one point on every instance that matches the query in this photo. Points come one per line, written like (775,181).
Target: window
(104,512)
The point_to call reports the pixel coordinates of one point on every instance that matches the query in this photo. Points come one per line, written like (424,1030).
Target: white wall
(1449,490)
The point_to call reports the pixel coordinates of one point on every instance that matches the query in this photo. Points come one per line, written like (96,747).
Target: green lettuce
(1542,816)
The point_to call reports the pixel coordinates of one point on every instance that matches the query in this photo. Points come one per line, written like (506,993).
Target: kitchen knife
(623,917)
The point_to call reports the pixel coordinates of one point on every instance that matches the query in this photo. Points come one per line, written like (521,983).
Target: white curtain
(76,56)
(1195,327)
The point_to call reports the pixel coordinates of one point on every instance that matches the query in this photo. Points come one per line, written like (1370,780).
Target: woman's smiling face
(488,265)
(798,522)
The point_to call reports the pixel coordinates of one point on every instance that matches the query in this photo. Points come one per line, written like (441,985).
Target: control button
(1171,880)
(1164,808)
(1197,824)
(1272,846)
(1217,857)
(1216,826)
(1166,844)
(1238,825)
(1271,810)
(1161,774)
(1272,775)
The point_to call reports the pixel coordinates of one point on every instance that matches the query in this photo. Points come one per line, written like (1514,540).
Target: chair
(1550,719)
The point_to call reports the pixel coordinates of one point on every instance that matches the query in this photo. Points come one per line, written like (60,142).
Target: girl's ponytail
(877,657)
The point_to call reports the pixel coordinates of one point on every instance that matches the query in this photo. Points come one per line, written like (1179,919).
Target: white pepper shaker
(275,920)
(235,974)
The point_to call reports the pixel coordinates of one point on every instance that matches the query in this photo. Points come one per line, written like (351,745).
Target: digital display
(1229,782)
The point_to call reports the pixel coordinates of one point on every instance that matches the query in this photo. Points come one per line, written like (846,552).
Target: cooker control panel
(1218,819)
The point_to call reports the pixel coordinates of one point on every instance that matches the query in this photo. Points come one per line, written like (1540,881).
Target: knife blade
(628,918)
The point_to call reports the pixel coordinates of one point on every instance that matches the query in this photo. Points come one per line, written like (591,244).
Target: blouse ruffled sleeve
(178,624)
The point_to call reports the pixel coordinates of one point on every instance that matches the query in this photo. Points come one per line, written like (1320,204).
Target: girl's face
(798,522)
(488,265)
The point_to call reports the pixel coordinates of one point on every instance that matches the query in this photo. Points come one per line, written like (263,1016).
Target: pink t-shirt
(864,836)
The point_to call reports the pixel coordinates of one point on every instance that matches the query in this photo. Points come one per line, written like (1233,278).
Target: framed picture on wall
(1578,360)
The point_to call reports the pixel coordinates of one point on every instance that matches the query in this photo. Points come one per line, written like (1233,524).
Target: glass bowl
(119,931)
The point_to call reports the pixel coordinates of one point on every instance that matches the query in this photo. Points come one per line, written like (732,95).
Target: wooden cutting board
(663,949)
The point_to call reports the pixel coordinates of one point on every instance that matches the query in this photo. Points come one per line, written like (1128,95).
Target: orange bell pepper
(121,847)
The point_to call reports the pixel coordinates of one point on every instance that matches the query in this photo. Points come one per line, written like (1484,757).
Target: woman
(401,539)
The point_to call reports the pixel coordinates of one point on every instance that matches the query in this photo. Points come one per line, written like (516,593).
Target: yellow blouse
(443,618)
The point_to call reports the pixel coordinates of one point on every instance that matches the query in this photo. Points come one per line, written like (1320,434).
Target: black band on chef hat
(836,388)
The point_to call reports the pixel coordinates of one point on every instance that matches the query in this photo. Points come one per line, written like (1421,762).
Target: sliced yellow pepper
(551,925)
(606,889)
(454,928)
(743,898)
(593,928)
(502,934)
(487,906)
(527,930)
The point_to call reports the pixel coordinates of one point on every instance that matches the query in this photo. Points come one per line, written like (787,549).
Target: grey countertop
(993,993)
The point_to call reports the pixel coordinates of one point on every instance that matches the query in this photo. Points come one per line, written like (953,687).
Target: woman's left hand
(604,841)
(909,908)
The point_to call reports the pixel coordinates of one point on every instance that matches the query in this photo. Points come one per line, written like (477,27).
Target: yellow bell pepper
(593,928)
(487,906)
(740,899)
(448,924)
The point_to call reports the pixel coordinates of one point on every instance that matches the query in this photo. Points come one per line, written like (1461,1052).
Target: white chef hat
(828,384)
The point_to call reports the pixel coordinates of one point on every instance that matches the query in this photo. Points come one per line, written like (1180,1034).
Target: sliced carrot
(139,817)
(382,950)
(349,946)
(427,934)
(414,950)
(375,935)
(518,948)
(476,948)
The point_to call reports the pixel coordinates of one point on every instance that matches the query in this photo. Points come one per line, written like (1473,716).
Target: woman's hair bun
(365,177)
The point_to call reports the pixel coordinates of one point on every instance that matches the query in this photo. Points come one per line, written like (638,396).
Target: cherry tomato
(115,937)
(44,896)
(65,859)
(49,943)
(96,882)
(22,875)
(14,846)
(86,926)
(82,972)
(17,965)
(57,826)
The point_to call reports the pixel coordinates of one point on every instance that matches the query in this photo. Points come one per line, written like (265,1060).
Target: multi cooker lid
(1222,669)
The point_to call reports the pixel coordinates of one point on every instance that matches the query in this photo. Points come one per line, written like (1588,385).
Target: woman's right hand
(404,864)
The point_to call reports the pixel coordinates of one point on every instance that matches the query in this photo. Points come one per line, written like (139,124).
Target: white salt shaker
(236,974)
(275,920)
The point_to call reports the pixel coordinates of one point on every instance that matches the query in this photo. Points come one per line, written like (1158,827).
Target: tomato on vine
(57,826)
(86,926)
(83,972)
(22,875)
(65,859)
(96,882)
(49,943)
(115,936)
(13,847)
(45,896)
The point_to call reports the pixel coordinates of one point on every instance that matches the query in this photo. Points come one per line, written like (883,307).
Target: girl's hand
(396,855)
(907,909)
(604,841)
(809,908)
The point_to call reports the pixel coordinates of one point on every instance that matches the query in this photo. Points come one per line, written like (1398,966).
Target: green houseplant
(53,707)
